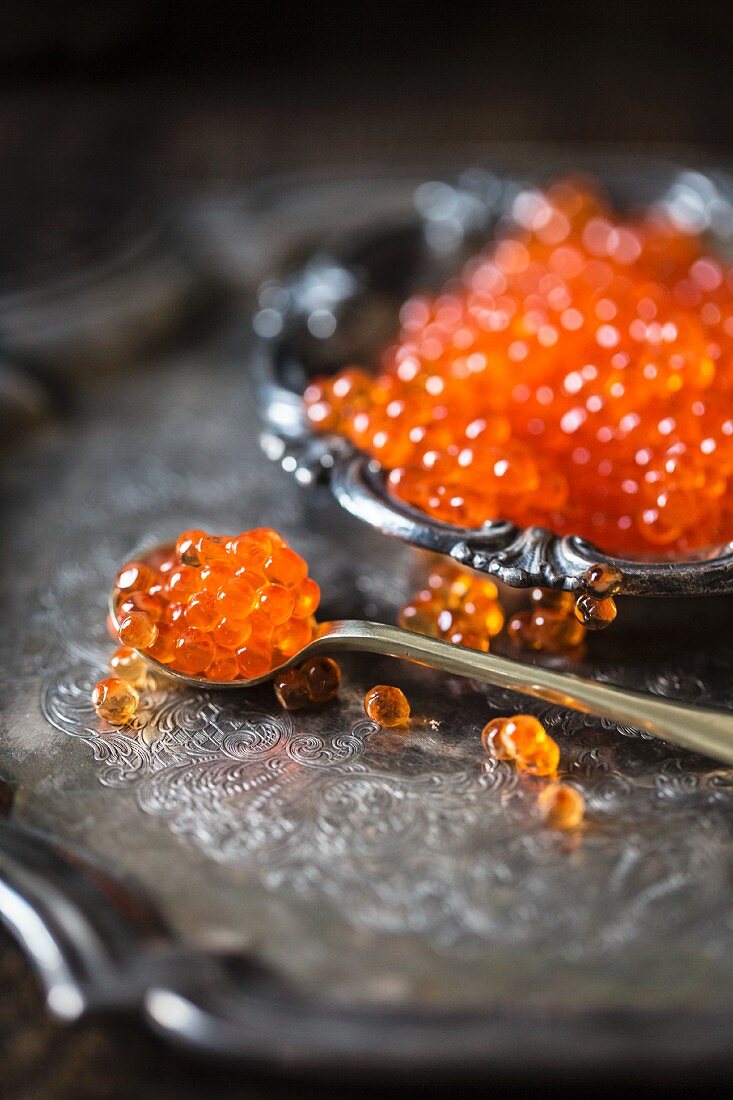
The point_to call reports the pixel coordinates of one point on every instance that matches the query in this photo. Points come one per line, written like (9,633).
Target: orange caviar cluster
(523,740)
(457,606)
(219,607)
(578,376)
(549,625)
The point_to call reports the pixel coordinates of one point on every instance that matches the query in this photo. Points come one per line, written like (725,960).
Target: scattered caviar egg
(137,629)
(315,681)
(387,705)
(603,579)
(523,739)
(323,676)
(206,606)
(578,376)
(492,741)
(127,664)
(561,806)
(115,700)
(291,689)
(595,614)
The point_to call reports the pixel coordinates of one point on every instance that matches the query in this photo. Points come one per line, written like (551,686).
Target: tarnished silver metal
(307,890)
(709,732)
(307,327)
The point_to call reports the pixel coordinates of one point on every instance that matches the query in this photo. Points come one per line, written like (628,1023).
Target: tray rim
(96,944)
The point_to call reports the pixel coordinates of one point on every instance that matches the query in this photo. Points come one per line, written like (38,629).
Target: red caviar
(457,606)
(115,700)
(550,625)
(218,607)
(562,806)
(523,740)
(315,681)
(578,376)
(387,705)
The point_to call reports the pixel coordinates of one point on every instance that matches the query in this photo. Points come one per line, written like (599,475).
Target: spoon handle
(702,730)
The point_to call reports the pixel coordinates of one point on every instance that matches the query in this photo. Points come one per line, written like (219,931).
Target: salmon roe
(219,607)
(463,607)
(127,664)
(116,701)
(457,606)
(595,613)
(523,740)
(561,806)
(387,705)
(137,629)
(578,376)
(549,625)
(315,681)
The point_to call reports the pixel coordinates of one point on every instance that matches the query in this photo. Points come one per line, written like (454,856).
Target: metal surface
(308,324)
(326,894)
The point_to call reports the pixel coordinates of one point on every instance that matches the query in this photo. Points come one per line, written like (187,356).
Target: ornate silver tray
(339,305)
(309,892)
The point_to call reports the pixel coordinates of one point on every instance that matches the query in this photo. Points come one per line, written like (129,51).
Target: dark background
(109,110)
(104,104)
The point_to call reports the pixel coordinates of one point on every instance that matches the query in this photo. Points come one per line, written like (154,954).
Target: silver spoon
(699,729)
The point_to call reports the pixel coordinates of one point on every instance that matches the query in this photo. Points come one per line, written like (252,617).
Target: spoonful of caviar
(213,611)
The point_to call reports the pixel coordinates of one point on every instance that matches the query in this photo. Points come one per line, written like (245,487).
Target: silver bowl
(340,304)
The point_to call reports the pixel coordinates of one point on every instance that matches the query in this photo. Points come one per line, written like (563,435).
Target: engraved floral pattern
(409,861)
(403,836)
